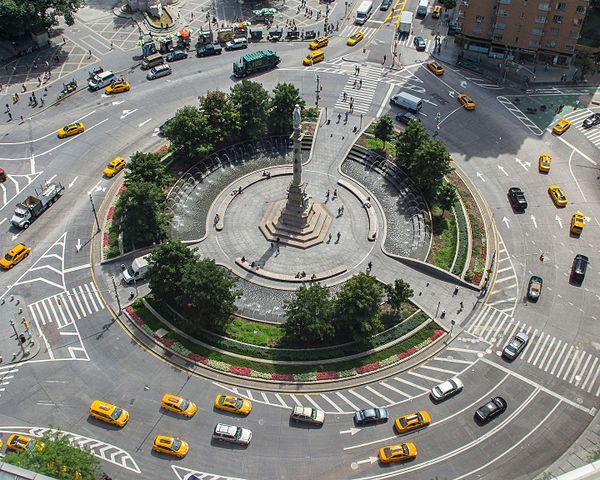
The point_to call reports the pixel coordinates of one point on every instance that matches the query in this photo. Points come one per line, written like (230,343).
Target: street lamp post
(12,324)
(452,323)
(95,214)
(317,91)
(116,294)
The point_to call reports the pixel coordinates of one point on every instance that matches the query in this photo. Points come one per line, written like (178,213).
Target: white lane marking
(87,288)
(452,360)
(548,350)
(331,402)
(281,400)
(347,401)
(383,384)
(443,370)
(425,377)
(593,381)
(264,397)
(589,375)
(419,387)
(87,305)
(565,345)
(296,401)
(249,394)
(573,175)
(360,397)
(74,269)
(583,369)
(385,101)
(314,404)
(375,392)
(76,296)
(463,350)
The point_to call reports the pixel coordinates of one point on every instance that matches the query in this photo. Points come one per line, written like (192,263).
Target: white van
(103,79)
(408,101)
(422,8)
(138,269)
(363,12)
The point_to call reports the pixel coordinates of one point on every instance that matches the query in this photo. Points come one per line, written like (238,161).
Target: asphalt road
(552,389)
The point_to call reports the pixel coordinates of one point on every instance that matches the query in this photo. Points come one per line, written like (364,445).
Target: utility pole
(95,214)
(116,294)
(318,91)
(12,324)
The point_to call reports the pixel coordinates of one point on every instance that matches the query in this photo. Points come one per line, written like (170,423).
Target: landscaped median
(336,364)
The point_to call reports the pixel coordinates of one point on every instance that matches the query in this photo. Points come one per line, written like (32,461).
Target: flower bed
(110,237)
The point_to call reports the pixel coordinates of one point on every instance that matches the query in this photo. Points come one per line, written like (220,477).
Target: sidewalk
(15,319)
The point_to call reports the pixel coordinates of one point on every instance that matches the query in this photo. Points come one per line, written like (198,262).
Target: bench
(366,203)
(257,270)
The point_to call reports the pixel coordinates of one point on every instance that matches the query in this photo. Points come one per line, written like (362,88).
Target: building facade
(540,31)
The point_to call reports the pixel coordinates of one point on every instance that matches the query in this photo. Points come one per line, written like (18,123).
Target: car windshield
(116,413)
(176,444)
(184,404)
(8,257)
(238,433)
(239,403)
(387,451)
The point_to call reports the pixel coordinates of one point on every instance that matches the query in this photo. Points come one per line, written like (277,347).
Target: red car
(2,175)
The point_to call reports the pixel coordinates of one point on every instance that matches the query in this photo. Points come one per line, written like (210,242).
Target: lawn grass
(444,243)
(376,145)
(254,333)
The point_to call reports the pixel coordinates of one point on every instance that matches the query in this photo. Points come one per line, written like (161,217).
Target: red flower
(244,371)
(369,367)
(167,342)
(134,316)
(111,212)
(437,334)
(105,239)
(326,375)
(283,377)
(194,357)
(121,190)
(161,149)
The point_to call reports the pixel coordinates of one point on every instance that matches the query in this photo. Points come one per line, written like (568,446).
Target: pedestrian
(272,245)
(346,116)
(41,102)
(334,192)
(90,52)
(461,305)
(455,289)
(45,91)
(34,64)
(344,96)
(7,108)
(64,40)
(342,207)
(39,81)
(358,69)
(192,15)
(9,116)
(329,239)
(56,59)
(354,83)
(338,236)
(360,83)
(339,211)
(24,87)
(370,265)
(339,117)
(22,119)
(111,45)
(278,240)
(384,59)
(327,194)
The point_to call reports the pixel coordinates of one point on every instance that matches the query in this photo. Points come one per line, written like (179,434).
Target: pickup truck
(208,49)
(32,207)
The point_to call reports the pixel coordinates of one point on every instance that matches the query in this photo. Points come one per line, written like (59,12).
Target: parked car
(444,390)
(385,5)
(371,415)
(158,72)
(236,44)
(176,55)
(516,345)
(208,49)
(492,409)
(406,117)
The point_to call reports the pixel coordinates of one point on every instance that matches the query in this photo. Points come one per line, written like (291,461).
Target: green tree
(146,167)
(398,293)
(251,101)
(167,261)
(449,4)
(407,143)
(588,64)
(58,458)
(357,307)
(432,163)
(19,17)
(446,196)
(285,97)
(190,133)
(223,118)
(384,129)
(309,315)
(144,220)
(209,290)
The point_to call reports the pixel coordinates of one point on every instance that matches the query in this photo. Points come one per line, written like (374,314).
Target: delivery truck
(255,62)
(33,206)
(137,270)
(363,12)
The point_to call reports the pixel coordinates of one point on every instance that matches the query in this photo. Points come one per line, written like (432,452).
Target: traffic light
(321,88)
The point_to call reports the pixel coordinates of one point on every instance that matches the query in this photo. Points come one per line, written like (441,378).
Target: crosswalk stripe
(375,392)
(579,360)
(492,329)
(314,404)
(532,340)
(360,397)
(589,389)
(75,295)
(565,345)
(583,369)
(39,310)
(347,401)
(249,394)
(51,305)
(265,398)
(96,294)
(564,364)
(296,401)
(419,387)
(419,375)
(281,400)
(48,317)
(480,318)
(87,305)
(62,314)
(535,347)
(589,375)
(65,306)
(383,384)
(539,354)
(70,297)
(548,350)
(502,336)
(452,360)
(505,279)
(32,311)
(331,402)
(490,318)
(87,288)
(437,369)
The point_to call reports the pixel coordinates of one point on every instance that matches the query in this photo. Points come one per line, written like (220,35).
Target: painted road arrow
(118,102)
(126,113)
(144,122)
(501,168)
(506,222)
(73,182)
(559,220)
(367,460)
(352,431)
(78,244)
(480,175)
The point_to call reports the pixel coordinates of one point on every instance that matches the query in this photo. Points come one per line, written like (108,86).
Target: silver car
(308,415)
(159,71)
(232,434)
(515,346)
(446,389)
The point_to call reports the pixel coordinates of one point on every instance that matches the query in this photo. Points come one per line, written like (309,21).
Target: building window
(557,19)
(498,37)
(544,7)
(570,46)
(540,19)
(573,34)
(505,2)
(476,30)
(561,6)
(554,31)
(502,13)
(534,44)
(537,31)
(500,26)
(551,43)
(479,18)
(580,10)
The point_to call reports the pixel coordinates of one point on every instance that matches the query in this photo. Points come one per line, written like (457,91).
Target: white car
(446,389)
(236,44)
(308,415)
(515,346)
(232,434)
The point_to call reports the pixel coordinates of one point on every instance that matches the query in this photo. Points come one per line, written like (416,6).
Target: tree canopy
(309,315)
(58,458)
(432,162)
(447,196)
(407,142)
(251,101)
(285,97)
(190,133)
(18,17)
(222,116)
(384,129)
(398,293)
(146,167)
(167,261)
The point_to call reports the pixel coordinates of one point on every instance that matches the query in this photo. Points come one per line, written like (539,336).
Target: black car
(176,55)
(420,44)
(534,290)
(385,4)
(371,415)
(492,409)
(163,127)
(592,121)
(580,263)
(406,117)
(208,49)
(517,198)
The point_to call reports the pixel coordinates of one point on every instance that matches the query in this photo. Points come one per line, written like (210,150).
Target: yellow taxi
(354,39)
(176,404)
(435,68)
(71,129)
(117,87)
(466,101)
(170,446)
(437,10)
(413,421)
(314,57)
(544,162)
(397,453)
(557,195)
(319,43)
(577,222)
(17,443)
(115,166)
(14,256)
(561,126)
(233,404)
(109,413)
